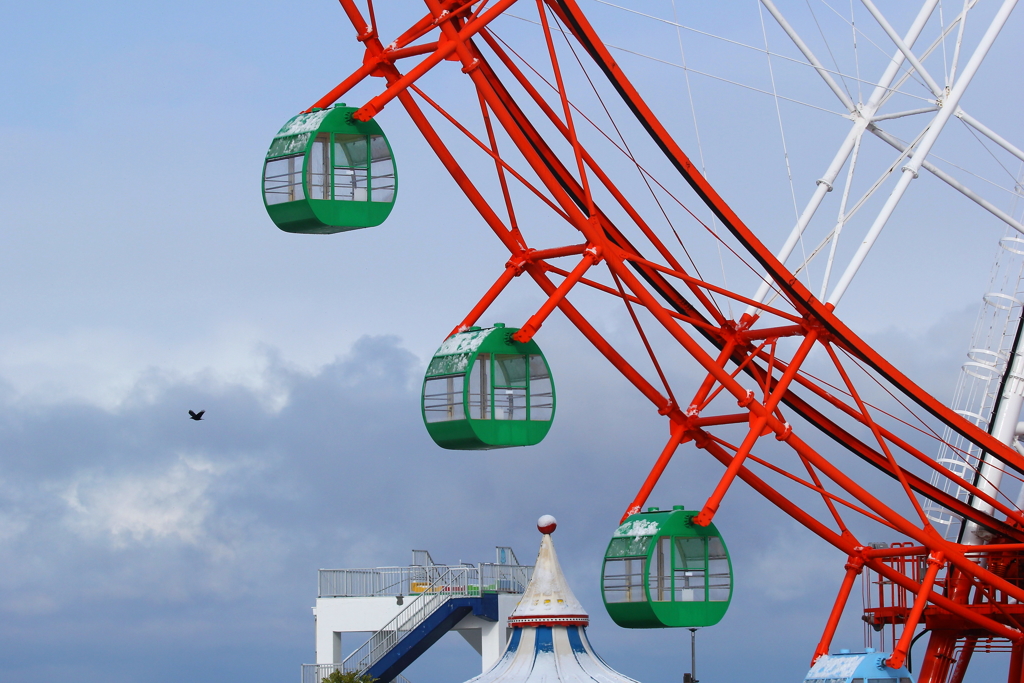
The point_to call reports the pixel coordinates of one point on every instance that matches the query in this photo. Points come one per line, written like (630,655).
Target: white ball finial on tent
(546,524)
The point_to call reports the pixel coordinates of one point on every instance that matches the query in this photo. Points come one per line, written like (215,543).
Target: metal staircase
(439,597)
(449,583)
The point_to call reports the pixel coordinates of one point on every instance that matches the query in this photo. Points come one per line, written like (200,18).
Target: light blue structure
(856,667)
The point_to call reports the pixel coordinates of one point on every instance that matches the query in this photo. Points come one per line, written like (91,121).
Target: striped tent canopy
(549,638)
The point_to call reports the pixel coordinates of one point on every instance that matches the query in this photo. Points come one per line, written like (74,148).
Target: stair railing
(449,582)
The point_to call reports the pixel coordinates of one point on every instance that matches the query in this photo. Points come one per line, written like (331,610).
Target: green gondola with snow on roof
(662,570)
(484,390)
(326,172)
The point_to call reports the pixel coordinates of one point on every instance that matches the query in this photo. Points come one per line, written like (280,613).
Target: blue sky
(142,278)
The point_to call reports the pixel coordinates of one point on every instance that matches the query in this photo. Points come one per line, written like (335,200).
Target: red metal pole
(602,176)
(920,485)
(1016,673)
(878,437)
(335,94)
(494,222)
(795,291)
(499,169)
(526,332)
(966,653)
(511,271)
(850,546)
(762,416)
(899,653)
(922,457)
(453,44)
(711,506)
(659,467)
(709,382)
(363,30)
(928,538)
(557,252)
(573,139)
(937,657)
(854,566)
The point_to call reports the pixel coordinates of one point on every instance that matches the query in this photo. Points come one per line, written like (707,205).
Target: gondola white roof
(549,639)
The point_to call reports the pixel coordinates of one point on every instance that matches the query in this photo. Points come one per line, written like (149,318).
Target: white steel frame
(912,158)
(998,320)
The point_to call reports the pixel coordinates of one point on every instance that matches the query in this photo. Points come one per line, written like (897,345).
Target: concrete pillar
(493,636)
(336,648)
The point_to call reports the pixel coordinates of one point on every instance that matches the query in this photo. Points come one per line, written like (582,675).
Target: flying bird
(196,416)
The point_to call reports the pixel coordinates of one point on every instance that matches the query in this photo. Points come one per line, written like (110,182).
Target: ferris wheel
(598,204)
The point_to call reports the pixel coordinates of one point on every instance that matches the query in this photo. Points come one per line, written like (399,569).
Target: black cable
(910,650)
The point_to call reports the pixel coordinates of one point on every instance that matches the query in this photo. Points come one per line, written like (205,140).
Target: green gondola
(661,570)
(485,390)
(325,172)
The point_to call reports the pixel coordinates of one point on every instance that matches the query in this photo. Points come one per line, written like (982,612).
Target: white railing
(428,587)
(385,581)
(316,673)
(504,578)
(452,582)
(347,583)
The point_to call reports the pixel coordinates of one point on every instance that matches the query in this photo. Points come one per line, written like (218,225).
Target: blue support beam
(419,640)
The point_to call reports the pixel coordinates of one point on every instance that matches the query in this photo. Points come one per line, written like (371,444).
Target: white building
(407,609)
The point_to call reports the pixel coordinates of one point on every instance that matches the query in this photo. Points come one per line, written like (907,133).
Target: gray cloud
(190,549)
(138,546)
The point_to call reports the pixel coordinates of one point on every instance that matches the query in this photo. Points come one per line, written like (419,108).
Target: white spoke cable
(845,218)
(945,59)
(990,134)
(907,52)
(865,36)
(856,52)
(910,171)
(1020,183)
(805,50)
(984,146)
(841,220)
(1016,191)
(877,184)
(782,134)
(959,43)
(956,185)
(700,149)
(827,46)
(961,18)
(944,33)
(689,95)
(743,45)
(699,73)
(900,144)
(807,261)
(824,184)
(726,80)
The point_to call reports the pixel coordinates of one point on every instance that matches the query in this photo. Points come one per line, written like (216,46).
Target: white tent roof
(549,640)
(548,599)
(550,654)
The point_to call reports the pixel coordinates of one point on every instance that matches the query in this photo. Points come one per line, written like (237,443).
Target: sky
(143,278)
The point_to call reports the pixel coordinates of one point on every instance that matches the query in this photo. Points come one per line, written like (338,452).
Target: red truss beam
(731,353)
(798,295)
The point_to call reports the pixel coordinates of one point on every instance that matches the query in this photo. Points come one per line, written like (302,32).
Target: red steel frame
(963,595)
